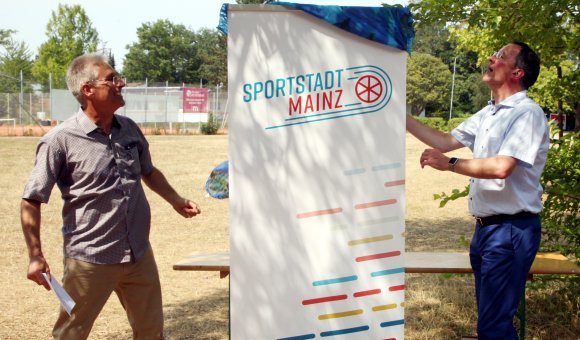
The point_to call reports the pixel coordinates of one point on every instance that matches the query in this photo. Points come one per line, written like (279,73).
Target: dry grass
(196,303)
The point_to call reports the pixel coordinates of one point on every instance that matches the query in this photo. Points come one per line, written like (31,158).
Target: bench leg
(521,314)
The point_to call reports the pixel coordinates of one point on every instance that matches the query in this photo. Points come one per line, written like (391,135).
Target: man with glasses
(98,160)
(509,141)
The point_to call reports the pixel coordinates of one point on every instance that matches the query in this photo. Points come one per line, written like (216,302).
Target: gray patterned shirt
(106,216)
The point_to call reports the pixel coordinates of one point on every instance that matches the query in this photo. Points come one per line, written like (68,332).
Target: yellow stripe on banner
(370,240)
(340,315)
(384,307)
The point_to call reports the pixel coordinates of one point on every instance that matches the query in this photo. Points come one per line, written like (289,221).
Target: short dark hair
(528,61)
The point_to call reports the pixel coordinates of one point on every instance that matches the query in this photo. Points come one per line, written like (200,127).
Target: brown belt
(497,219)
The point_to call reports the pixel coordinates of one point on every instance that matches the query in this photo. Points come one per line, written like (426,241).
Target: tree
(435,39)
(14,58)
(70,34)
(483,26)
(111,59)
(5,35)
(213,54)
(550,91)
(164,52)
(428,83)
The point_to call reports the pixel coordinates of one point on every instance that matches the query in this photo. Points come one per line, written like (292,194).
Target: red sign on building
(195,100)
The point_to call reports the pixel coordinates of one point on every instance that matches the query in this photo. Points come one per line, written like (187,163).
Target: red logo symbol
(369,89)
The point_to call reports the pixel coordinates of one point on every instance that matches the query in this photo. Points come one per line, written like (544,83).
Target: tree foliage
(469,92)
(5,35)
(213,53)
(428,82)
(484,26)
(164,52)
(70,33)
(549,88)
(14,58)
(551,28)
(561,182)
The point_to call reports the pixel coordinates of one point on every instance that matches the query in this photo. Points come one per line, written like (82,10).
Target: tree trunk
(560,110)
(577,125)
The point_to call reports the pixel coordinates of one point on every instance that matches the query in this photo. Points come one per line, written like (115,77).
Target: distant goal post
(13,120)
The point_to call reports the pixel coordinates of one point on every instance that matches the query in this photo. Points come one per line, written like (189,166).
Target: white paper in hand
(65,299)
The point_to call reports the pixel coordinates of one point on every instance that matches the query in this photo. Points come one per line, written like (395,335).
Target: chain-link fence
(158,110)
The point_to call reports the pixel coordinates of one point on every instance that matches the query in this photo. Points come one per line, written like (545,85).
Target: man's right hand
(36,267)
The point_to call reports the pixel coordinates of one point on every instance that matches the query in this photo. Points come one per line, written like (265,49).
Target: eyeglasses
(499,54)
(116,80)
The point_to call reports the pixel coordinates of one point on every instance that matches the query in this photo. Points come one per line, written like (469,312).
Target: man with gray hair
(98,160)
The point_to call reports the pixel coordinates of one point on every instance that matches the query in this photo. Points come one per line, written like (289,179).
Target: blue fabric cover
(392,26)
(217,184)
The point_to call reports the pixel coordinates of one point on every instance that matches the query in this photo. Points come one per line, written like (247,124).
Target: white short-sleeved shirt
(516,127)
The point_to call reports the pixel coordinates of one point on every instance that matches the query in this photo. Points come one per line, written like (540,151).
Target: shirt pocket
(130,162)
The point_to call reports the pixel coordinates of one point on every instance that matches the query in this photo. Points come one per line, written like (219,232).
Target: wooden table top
(415,262)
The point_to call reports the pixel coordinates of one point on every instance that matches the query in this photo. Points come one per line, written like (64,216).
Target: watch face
(453,160)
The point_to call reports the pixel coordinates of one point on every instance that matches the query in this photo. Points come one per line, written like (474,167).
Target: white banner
(317,174)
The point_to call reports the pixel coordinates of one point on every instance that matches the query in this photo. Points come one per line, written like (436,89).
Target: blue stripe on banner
(299,337)
(354,172)
(388,272)
(392,323)
(337,280)
(345,331)
(386,166)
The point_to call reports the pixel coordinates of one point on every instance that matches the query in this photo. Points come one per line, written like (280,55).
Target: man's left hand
(435,159)
(187,208)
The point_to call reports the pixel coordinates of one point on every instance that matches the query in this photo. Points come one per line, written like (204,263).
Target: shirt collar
(510,101)
(89,126)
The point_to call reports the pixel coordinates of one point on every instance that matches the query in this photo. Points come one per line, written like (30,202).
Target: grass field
(196,303)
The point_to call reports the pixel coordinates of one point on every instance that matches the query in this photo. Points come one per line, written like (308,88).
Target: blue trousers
(501,256)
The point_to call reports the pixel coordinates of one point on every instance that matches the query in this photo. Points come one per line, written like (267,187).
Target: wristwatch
(451,163)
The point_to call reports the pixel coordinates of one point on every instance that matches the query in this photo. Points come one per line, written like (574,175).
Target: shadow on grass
(450,234)
(438,307)
(205,318)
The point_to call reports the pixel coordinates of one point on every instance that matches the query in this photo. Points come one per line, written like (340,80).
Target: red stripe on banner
(319,213)
(324,299)
(367,292)
(378,256)
(395,183)
(375,204)
(396,288)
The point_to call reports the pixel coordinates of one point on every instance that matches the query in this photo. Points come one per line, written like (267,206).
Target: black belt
(497,219)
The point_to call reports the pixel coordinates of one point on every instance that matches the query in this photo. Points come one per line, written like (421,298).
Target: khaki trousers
(90,286)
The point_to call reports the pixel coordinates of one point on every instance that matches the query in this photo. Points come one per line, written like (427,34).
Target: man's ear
(518,73)
(87,90)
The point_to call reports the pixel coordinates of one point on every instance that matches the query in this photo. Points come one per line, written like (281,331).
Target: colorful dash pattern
(378,256)
(375,204)
(340,315)
(335,300)
(370,240)
(319,213)
(325,299)
(395,183)
(335,280)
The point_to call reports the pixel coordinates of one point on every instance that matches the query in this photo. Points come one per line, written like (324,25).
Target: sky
(117,21)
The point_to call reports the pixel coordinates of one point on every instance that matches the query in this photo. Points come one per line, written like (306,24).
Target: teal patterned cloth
(392,26)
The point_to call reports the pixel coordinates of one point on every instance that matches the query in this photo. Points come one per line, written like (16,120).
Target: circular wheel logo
(369,89)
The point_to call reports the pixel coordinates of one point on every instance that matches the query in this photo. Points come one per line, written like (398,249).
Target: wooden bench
(415,262)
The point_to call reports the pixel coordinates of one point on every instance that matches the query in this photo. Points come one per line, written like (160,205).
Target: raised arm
(157,182)
(434,138)
(30,221)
